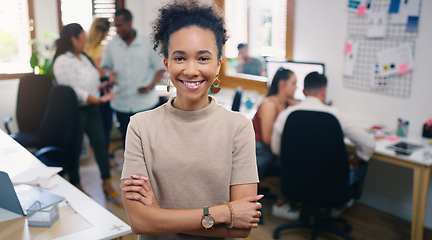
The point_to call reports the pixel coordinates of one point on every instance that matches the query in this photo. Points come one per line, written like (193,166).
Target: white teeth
(191,84)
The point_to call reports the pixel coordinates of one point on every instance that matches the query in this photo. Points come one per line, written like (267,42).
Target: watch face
(207,221)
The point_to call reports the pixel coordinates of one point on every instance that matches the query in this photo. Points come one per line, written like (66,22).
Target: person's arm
(278,127)
(238,192)
(140,190)
(155,221)
(364,142)
(159,74)
(267,114)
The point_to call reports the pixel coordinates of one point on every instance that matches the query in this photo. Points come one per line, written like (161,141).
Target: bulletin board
(363,75)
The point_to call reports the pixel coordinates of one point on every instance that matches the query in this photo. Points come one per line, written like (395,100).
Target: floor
(368,223)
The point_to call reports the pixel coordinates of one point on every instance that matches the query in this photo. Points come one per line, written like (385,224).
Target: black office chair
(33,91)
(237,99)
(315,171)
(57,132)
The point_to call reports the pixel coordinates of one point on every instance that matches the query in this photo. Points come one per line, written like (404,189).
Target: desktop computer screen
(300,69)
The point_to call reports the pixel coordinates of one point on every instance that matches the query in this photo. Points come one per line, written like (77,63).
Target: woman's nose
(191,69)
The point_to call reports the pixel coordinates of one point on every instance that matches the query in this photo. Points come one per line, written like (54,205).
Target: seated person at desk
(248,64)
(315,86)
(279,96)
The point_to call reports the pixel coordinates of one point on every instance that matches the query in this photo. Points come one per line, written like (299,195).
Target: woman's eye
(178,58)
(203,59)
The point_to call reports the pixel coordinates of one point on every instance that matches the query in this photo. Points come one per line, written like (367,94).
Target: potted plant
(43,52)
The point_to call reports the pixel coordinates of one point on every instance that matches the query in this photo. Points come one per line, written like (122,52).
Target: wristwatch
(207,220)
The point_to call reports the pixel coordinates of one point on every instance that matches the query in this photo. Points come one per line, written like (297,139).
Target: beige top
(191,157)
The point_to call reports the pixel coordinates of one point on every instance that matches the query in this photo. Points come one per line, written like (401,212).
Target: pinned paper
(394,6)
(353,4)
(348,48)
(403,68)
(361,10)
(406,8)
(377,24)
(412,24)
(350,57)
(397,60)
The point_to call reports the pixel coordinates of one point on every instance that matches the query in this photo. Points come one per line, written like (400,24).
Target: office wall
(319,35)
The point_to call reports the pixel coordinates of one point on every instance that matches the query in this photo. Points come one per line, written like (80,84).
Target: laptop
(16,201)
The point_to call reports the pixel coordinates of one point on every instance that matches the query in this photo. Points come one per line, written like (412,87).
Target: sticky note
(412,24)
(348,48)
(361,10)
(403,68)
(394,6)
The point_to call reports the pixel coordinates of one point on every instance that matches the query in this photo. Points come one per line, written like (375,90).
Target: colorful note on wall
(350,50)
(397,60)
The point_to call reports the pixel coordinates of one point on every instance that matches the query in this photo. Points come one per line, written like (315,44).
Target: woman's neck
(77,54)
(187,105)
(281,100)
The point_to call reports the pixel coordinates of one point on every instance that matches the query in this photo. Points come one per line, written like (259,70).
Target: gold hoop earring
(215,86)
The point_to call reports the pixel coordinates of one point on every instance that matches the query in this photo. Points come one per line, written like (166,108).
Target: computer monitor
(300,69)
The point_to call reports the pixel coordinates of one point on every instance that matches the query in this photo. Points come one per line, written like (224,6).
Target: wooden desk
(421,176)
(96,221)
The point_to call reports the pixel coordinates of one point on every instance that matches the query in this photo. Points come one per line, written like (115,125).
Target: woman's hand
(246,214)
(140,185)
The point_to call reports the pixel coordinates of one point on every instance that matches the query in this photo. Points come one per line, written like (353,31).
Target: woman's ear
(165,63)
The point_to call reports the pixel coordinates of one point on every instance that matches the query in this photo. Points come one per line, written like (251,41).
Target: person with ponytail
(72,67)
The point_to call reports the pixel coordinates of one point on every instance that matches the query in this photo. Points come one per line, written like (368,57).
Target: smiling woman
(190,169)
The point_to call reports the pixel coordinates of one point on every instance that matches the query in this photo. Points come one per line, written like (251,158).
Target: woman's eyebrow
(183,52)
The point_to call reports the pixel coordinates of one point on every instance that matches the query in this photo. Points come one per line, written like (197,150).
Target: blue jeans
(357,178)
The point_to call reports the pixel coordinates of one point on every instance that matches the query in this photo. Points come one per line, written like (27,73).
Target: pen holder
(402,130)
(427,130)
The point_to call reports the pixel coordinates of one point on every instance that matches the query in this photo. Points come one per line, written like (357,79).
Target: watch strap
(206,211)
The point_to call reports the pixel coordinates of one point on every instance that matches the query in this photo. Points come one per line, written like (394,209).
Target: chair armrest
(49,149)
(6,122)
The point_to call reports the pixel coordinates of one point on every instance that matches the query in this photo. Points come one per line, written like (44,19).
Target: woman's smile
(192,85)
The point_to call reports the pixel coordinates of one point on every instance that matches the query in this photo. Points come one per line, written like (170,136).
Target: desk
(421,175)
(14,159)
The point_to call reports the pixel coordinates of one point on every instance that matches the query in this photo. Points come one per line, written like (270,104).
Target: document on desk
(36,176)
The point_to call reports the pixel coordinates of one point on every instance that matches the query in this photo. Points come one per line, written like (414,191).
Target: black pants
(90,122)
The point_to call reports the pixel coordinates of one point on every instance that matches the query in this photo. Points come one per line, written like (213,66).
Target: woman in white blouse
(75,69)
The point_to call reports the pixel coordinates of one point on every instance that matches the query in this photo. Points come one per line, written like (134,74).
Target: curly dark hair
(177,15)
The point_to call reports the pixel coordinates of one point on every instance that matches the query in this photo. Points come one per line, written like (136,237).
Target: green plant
(43,52)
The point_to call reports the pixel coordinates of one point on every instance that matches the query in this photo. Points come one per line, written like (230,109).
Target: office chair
(33,91)
(237,99)
(57,131)
(315,171)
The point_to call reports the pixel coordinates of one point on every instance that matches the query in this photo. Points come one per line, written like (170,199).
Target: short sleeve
(244,168)
(134,162)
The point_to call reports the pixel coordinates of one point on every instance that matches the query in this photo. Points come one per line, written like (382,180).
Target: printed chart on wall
(380,46)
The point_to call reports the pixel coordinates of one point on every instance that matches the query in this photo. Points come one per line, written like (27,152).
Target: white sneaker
(337,212)
(285,211)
